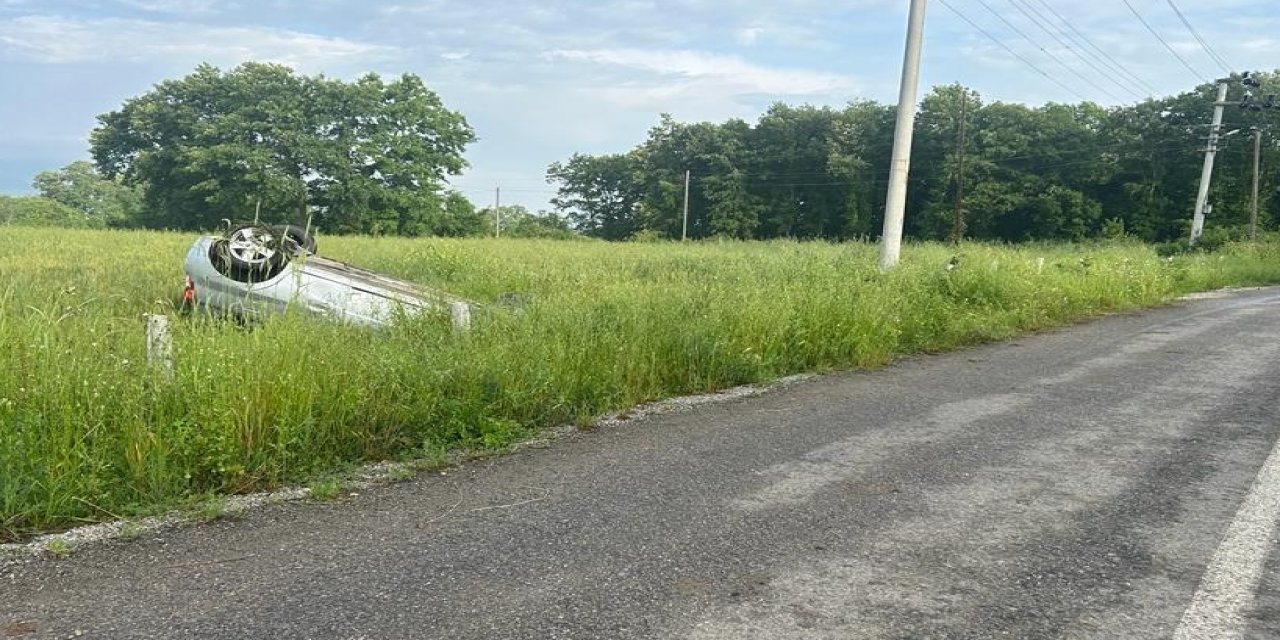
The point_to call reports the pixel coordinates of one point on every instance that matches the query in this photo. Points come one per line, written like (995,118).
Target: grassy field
(88,432)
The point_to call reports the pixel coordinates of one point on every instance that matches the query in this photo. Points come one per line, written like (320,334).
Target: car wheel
(292,233)
(249,254)
(253,248)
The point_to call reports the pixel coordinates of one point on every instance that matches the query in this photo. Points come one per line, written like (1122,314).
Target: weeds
(324,490)
(215,508)
(131,530)
(602,327)
(58,547)
(401,473)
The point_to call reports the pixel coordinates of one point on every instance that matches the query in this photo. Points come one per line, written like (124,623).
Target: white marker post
(159,345)
(461,314)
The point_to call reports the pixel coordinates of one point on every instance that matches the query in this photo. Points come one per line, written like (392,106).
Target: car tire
(253,247)
(292,233)
(251,253)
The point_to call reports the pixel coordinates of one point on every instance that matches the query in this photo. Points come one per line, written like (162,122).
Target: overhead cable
(1011,51)
(1046,52)
(1043,23)
(1102,56)
(1166,44)
(1226,68)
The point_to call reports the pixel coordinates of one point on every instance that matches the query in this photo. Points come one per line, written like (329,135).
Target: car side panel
(317,284)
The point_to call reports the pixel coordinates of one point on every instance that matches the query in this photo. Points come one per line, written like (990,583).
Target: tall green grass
(88,432)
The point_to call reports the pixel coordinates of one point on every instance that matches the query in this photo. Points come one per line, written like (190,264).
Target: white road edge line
(1227,588)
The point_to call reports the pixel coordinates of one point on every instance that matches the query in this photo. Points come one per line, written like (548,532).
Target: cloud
(749,35)
(1259,45)
(172,6)
(56,40)
(730,72)
(602,24)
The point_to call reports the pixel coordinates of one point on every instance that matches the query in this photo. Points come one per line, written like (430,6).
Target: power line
(1040,21)
(1011,51)
(1046,52)
(1166,44)
(1101,55)
(1226,68)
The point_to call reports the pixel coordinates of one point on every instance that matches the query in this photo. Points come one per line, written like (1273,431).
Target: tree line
(1015,173)
(374,156)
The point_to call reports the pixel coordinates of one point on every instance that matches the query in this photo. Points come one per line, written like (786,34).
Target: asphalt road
(1114,479)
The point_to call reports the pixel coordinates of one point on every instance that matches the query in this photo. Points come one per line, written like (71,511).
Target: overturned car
(255,270)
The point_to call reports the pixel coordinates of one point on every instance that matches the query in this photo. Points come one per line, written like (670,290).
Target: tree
(80,187)
(860,147)
(937,155)
(367,156)
(454,216)
(519,222)
(800,192)
(716,156)
(599,194)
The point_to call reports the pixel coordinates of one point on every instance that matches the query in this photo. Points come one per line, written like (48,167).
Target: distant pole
(497,215)
(684,230)
(957,232)
(1257,160)
(1206,173)
(900,164)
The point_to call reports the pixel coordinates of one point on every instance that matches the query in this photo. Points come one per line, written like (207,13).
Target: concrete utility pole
(957,232)
(497,212)
(684,230)
(900,164)
(1253,207)
(1206,173)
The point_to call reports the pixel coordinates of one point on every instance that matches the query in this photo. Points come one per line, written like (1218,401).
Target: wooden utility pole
(957,231)
(497,212)
(1206,173)
(684,230)
(1257,160)
(900,162)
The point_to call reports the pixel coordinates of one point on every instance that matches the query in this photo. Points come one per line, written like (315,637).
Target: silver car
(253,270)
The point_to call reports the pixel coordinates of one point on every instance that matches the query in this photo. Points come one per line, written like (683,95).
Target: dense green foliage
(518,222)
(1059,171)
(78,185)
(87,431)
(38,211)
(362,157)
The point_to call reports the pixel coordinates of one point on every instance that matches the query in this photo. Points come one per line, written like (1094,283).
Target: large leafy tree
(369,156)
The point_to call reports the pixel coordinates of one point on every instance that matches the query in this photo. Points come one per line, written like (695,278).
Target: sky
(541,80)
